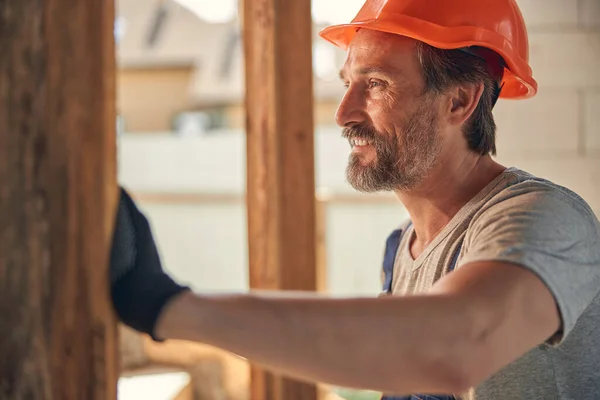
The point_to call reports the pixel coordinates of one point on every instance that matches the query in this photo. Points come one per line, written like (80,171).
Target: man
(494,284)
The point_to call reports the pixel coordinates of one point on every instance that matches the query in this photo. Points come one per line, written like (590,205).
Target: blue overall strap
(389,257)
(391,249)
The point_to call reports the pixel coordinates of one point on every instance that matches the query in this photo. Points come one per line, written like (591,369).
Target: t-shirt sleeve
(550,231)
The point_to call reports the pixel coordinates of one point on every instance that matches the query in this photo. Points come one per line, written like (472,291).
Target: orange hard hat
(497,25)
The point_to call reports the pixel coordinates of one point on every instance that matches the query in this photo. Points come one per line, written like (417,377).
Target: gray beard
(399,167)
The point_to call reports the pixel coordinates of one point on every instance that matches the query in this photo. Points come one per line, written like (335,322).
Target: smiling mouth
(360,142)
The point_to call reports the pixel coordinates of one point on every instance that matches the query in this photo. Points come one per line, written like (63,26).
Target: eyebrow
(374,69)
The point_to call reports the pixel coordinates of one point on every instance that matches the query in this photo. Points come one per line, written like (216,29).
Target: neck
(445,191)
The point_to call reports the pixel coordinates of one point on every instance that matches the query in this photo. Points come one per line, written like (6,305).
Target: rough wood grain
(280,158)
(57,199)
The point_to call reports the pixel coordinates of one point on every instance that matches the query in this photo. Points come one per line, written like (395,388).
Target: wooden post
(280,159)
(58,195)
(321,243)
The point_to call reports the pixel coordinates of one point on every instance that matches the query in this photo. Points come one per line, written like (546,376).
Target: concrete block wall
(555,135)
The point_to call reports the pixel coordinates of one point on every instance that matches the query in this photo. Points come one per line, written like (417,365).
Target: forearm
(394,345)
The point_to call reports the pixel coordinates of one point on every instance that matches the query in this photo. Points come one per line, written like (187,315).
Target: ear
(463,102)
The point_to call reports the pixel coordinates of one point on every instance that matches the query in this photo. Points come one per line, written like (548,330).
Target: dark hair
(443,69)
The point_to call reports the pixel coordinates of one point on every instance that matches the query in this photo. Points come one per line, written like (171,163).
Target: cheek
(385,115)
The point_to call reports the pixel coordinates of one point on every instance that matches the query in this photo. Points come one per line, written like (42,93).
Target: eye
(346,85)
(373,83)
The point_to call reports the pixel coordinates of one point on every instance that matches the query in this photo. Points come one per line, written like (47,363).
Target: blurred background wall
(181,146)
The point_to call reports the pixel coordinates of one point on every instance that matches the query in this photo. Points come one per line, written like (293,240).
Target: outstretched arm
(479,319)
(475,321)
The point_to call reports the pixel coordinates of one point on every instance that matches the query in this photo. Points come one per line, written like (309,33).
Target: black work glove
(139,286)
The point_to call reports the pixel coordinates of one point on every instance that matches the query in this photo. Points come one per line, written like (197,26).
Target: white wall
(555,135)
(206,245)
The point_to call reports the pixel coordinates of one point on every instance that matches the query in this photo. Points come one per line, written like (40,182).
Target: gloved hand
(139,286)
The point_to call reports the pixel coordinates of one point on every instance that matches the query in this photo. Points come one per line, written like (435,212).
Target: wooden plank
(280,161)
(187,393)
(58,195)
(321,246)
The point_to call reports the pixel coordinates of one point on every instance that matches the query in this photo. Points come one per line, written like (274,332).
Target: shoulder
(538,200)
(547,229)
(531,215)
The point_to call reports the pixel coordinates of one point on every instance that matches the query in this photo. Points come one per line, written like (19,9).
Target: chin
(362,161)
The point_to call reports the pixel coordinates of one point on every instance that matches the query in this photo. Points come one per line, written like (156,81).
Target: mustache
(360,131)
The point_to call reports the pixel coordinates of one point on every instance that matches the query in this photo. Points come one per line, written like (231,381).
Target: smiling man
(492,285)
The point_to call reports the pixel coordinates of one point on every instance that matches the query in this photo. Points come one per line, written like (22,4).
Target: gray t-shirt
(550,230)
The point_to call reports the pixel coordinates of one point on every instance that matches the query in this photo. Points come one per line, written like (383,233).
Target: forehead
(383,51)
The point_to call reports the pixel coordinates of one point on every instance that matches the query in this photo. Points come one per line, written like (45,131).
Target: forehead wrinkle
(381,45)
(387,58)
(372,69)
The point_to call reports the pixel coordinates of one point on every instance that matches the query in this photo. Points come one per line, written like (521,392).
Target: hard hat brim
(518,82)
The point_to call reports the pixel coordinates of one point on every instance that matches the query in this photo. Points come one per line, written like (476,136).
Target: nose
(352,108)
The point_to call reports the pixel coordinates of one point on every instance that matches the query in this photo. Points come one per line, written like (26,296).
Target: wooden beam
(57,199)
(321,246)
(280,158)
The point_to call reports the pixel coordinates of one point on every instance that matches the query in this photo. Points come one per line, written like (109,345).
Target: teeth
(360,142)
